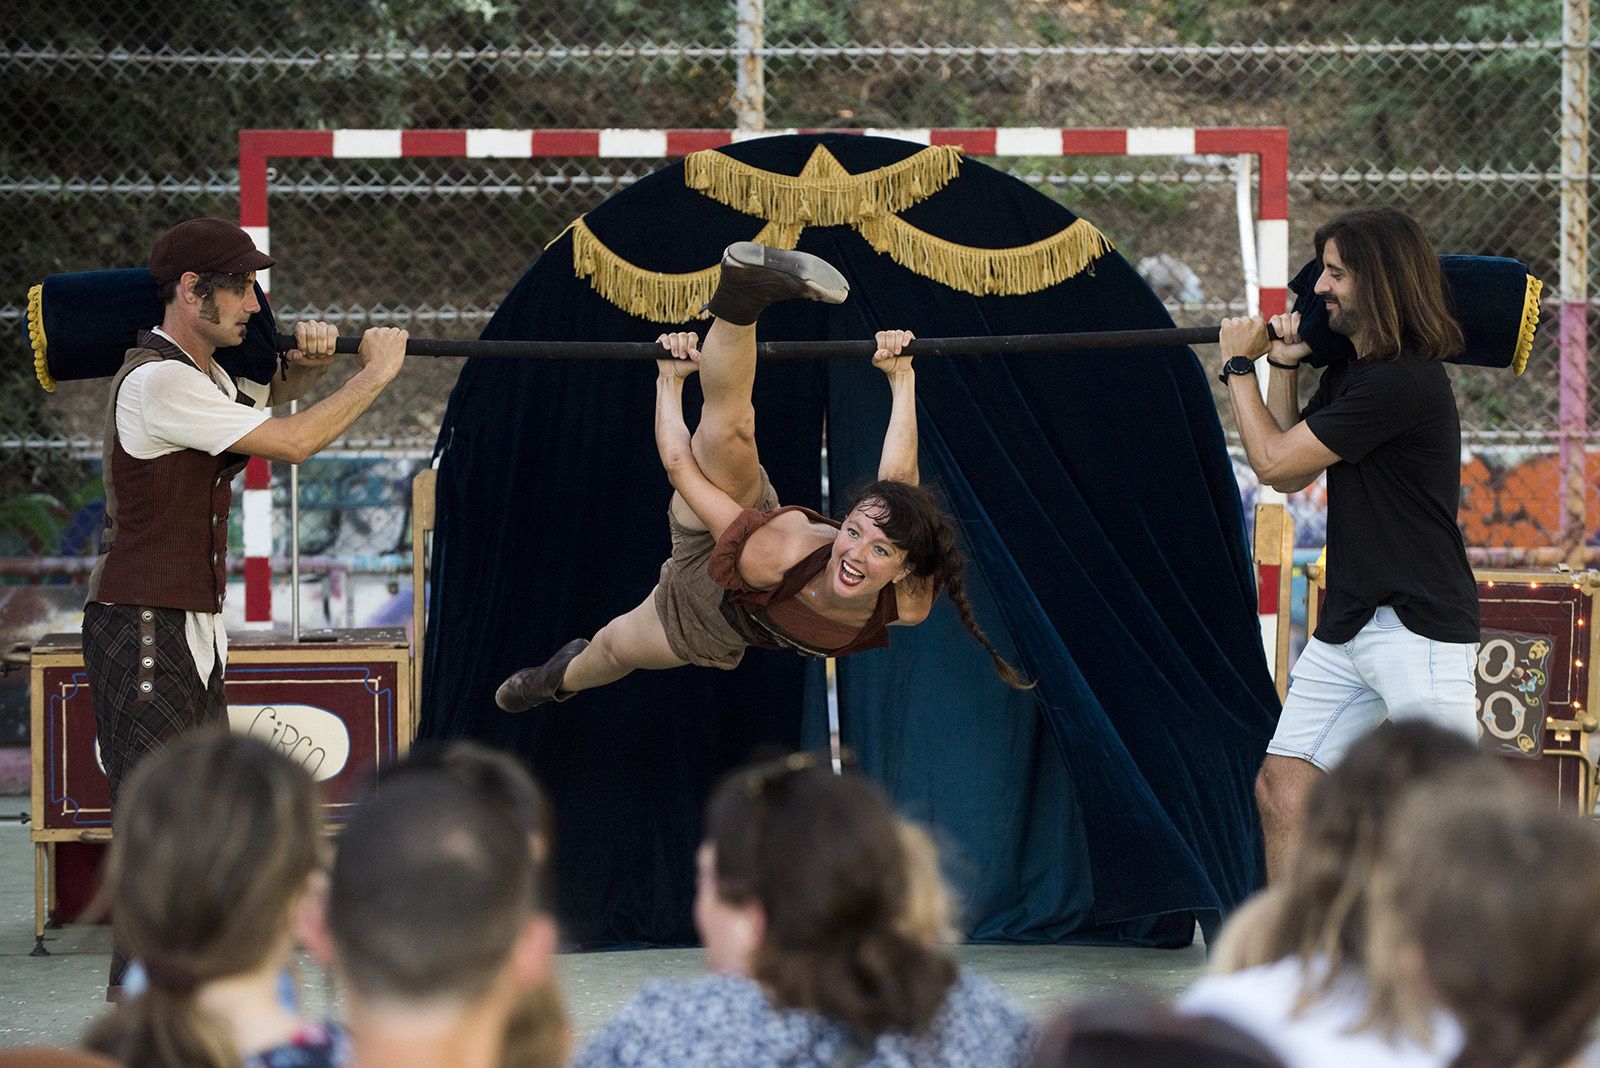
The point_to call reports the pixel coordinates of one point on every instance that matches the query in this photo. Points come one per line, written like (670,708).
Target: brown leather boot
(536,685)
(754,276)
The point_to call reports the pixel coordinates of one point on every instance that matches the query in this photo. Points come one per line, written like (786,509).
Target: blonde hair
(929,907)
(1321,918)
(1491,891)
(539,1029)
(1245,940)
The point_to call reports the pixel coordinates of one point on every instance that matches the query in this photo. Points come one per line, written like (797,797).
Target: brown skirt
(689,604)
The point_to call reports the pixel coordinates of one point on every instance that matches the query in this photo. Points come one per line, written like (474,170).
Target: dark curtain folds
(1106,558)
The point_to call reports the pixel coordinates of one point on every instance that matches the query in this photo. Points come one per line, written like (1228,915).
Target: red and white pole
(257,504)
(258,543)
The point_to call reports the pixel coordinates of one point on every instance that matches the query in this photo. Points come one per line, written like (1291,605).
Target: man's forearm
(1258,427)
(1287,460)
(898,460)
(293,382)
(316,427)
(1283,396)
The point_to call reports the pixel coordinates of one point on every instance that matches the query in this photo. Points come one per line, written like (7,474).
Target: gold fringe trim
(41,369)
(548,244)
(988,271)
(1530,323)
(656,295)
(823,193)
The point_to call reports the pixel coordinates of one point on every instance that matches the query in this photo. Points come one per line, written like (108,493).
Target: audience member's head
(1132,1033)
(496,774)
(433,903)
(1482,900)
(804,885)
(539,1031)
(1348,813)
(217,839)
(1320,914)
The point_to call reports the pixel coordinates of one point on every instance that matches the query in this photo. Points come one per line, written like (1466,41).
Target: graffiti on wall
(1509,498)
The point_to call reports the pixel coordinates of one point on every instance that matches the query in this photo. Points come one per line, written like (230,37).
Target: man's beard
(1342,321)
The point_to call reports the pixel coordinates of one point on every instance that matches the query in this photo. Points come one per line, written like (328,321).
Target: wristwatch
(1236,365)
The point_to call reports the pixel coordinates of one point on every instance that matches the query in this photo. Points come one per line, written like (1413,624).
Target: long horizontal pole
(805,350)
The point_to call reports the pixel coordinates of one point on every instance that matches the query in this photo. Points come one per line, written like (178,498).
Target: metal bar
(338,59)
(356,447)
(1244,208)
(294,543)
(750,92)
(1574,386)
(307,188)
(35,567)
(476,315)
(805,350)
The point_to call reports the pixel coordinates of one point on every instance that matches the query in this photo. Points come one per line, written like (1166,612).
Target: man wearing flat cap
(178,428)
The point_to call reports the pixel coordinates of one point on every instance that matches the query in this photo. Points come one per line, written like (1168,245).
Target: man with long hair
(1398,635)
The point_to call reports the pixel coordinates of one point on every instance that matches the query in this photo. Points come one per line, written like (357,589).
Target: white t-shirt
(167,405)
(1261,1001)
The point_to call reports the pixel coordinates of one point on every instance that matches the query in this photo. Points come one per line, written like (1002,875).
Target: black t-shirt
(1392,498)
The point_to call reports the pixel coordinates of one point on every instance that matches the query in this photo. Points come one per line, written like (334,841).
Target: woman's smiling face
(864,560)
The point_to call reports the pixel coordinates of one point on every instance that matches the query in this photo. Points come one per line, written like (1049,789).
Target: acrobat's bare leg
(631,642)
(725,441)
(753,276)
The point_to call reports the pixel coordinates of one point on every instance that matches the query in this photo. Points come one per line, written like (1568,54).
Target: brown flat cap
(203,245)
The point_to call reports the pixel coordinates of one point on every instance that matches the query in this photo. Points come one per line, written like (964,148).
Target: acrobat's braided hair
(912,518)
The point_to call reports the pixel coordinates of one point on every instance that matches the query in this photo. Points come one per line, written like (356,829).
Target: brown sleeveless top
(774,618)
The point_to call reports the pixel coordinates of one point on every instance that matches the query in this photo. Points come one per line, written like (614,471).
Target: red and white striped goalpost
(1268,145)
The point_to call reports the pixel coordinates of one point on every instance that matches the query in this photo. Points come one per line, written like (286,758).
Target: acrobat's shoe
(754,276)
(536,685)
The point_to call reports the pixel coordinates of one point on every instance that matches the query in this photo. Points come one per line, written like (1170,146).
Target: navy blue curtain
(1106,558)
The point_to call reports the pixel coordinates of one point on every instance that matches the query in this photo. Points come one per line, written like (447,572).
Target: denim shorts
(1338,692)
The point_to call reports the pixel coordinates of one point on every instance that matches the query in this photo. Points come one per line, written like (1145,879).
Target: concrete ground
(51,999)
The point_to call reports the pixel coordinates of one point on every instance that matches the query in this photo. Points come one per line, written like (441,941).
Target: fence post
(1274,559)
(750,93)
(1574,277)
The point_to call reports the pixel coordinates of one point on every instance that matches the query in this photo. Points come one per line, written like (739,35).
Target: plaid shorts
(143,683)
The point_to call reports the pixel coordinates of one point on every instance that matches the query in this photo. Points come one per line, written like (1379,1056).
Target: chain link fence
(125,119)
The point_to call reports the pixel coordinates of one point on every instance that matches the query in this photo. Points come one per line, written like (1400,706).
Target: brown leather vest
(165,541)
